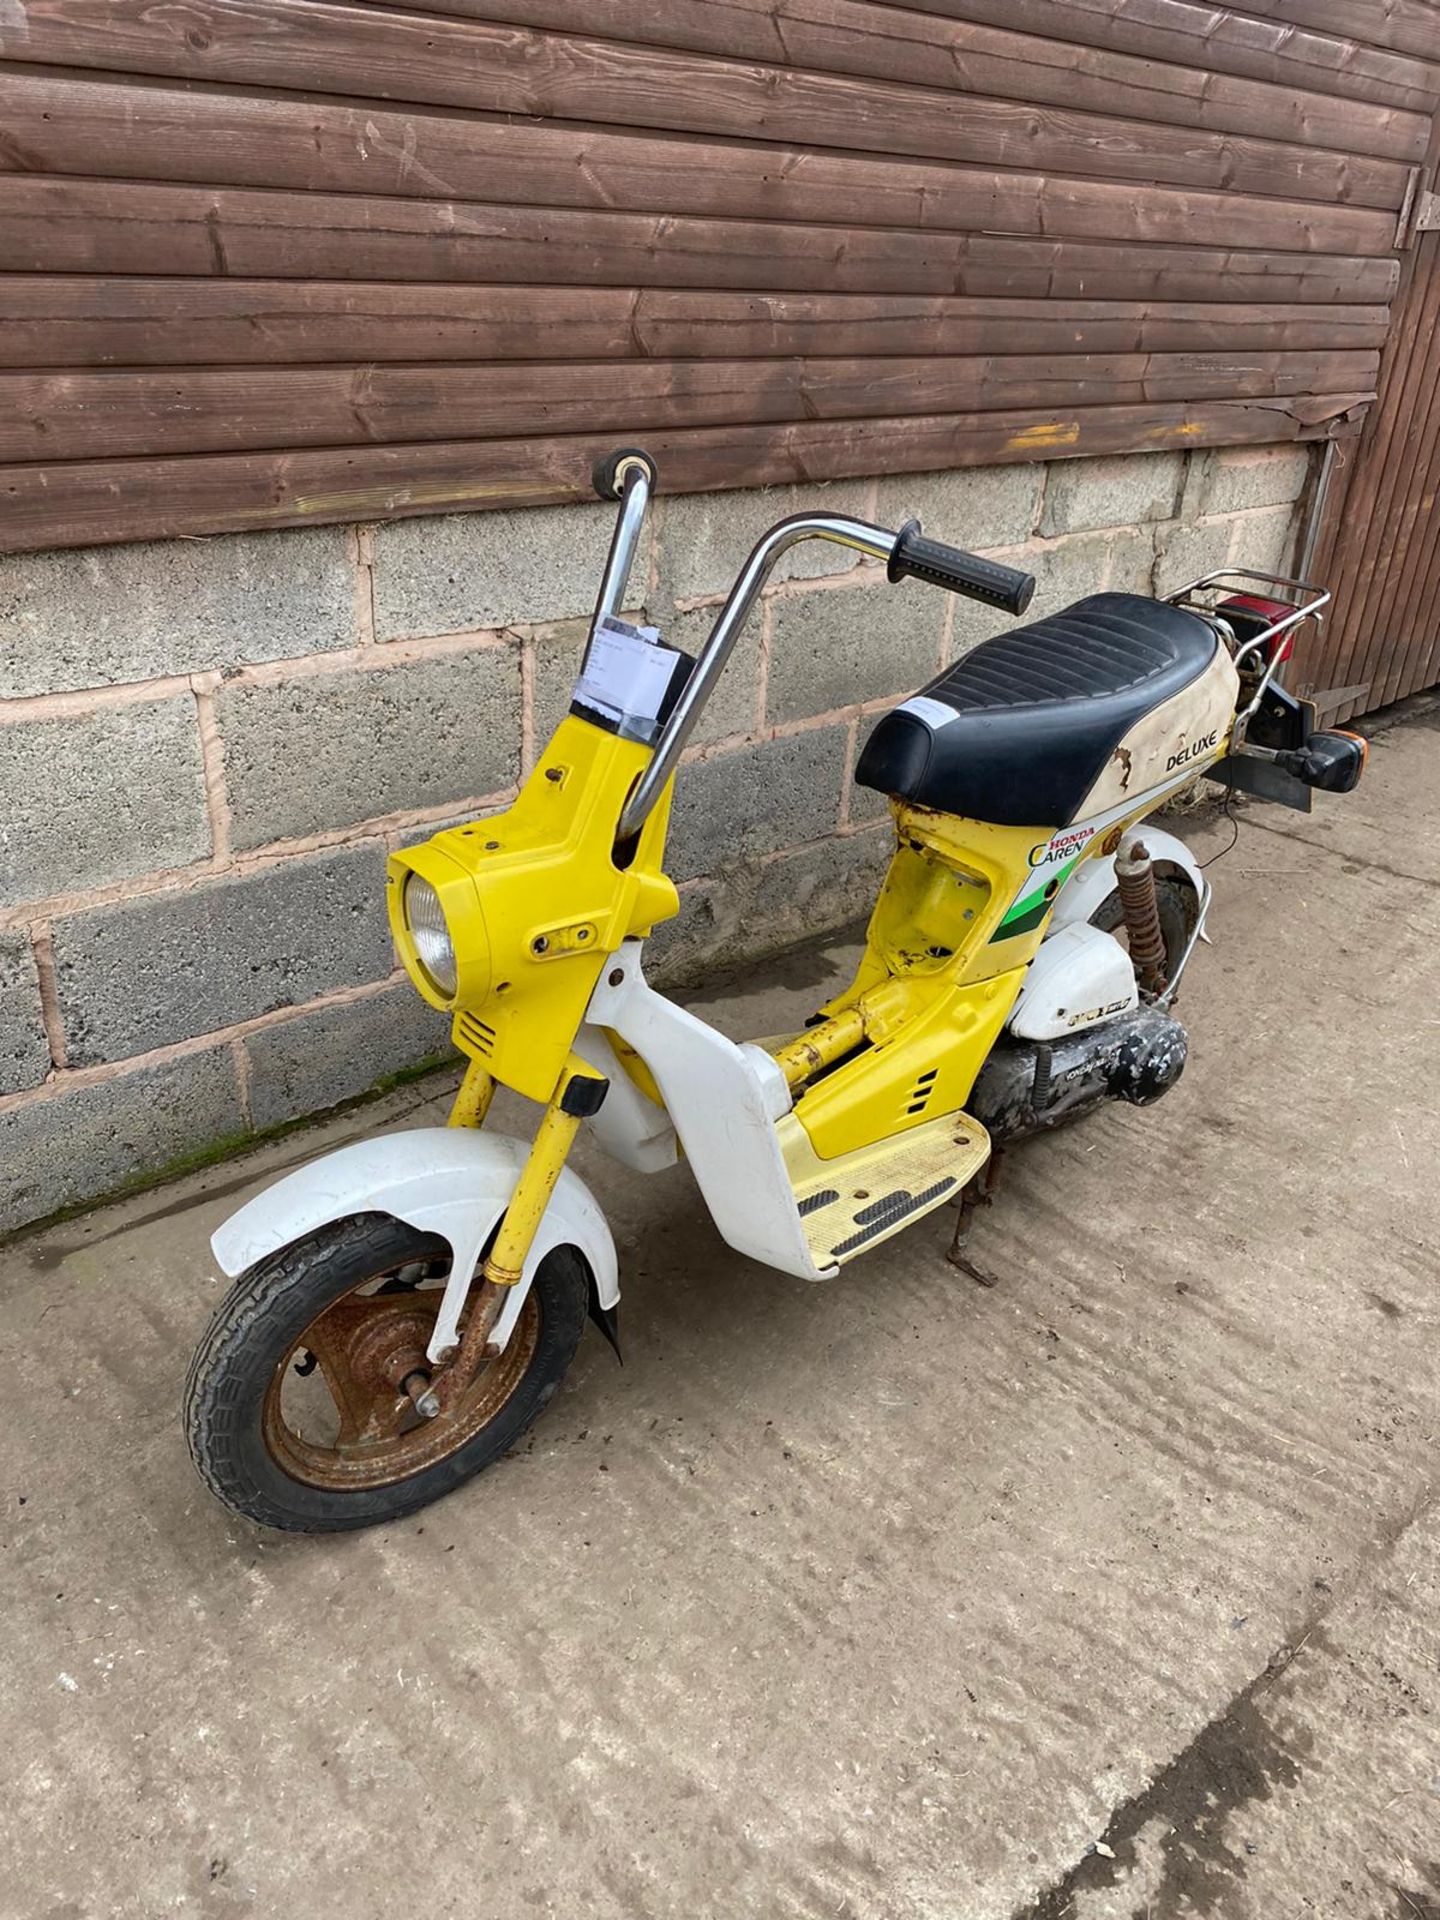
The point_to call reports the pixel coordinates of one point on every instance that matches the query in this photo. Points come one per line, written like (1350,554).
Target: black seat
(1019,730)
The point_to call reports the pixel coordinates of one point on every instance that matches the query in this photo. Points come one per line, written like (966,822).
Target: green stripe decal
(1025,920)
(1031,908)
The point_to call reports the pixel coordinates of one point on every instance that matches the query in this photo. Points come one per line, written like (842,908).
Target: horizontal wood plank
(77,320)
(858,37)
(395,56)
(279,264)
(90,415)
(1402,26)
(1221,39)
(98,128)
(69,226)
(92,502)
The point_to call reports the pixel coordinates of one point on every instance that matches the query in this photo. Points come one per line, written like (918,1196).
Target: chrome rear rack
(1305,600)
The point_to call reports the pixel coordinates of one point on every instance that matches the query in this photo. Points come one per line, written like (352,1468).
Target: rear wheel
(295,1409)
(1178,908)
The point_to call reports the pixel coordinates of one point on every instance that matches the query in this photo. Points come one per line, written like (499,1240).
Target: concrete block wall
(207,748)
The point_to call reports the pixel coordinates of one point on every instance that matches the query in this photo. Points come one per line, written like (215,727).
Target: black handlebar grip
(607,476)
(951,567)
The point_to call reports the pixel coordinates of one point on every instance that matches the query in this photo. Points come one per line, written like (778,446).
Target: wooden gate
(1379,550)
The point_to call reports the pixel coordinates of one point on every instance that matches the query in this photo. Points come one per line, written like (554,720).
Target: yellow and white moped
(403,1308)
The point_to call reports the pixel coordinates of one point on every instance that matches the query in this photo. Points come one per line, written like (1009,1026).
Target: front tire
(349,1298)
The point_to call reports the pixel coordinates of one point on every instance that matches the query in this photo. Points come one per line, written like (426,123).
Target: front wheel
(292,1411)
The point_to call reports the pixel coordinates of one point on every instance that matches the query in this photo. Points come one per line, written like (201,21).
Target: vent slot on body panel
(475,1036)
(918,1097)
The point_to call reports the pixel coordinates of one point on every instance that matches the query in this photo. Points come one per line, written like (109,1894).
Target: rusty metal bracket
(978,1192)
(1402,218)
(1419,210)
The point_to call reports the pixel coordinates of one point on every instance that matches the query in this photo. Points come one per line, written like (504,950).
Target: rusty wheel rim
(349,1356)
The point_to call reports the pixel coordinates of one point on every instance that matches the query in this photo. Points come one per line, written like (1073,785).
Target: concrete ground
(1107,1594)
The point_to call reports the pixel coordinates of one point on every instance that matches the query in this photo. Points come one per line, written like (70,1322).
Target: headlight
(434,949)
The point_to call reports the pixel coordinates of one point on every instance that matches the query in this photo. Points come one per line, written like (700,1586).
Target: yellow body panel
(851,1204)
(961,913)
(536,903)
(933,988)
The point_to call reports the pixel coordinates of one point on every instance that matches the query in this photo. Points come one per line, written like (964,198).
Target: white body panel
(1079,975)
(1066,849)
(629,1126)
(1172,742)
(1093,881)
(447,1180)
(724,1101)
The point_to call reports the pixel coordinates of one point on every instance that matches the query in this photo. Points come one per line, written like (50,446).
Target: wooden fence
(269,262)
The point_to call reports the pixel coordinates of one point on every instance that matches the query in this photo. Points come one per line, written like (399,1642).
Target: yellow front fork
(472,1101)
(573,1100)
(577,1095)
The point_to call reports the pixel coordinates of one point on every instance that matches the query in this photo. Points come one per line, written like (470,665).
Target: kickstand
(978,1193)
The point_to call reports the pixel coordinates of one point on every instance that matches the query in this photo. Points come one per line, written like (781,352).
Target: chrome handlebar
(858,535)
(629,476)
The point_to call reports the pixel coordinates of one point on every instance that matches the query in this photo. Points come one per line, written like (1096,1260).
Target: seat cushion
(1020,729)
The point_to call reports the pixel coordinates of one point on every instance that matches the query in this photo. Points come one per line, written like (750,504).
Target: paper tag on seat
(934,714)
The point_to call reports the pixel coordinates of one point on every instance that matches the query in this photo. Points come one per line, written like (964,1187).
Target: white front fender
(1093,881)
(452,1181)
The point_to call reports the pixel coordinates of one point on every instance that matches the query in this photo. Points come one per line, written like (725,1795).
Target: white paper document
(627,674)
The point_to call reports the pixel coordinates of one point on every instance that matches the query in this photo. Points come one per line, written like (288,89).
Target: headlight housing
(434,949)
(438,924)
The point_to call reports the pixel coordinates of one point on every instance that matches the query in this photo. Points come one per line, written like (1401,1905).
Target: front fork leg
(472,1099)
(577,1095)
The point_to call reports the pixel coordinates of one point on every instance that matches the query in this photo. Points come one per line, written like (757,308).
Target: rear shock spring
(1135,872)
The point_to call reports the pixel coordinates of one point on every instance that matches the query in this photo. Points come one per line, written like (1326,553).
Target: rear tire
(1178,907)
(232,1394)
